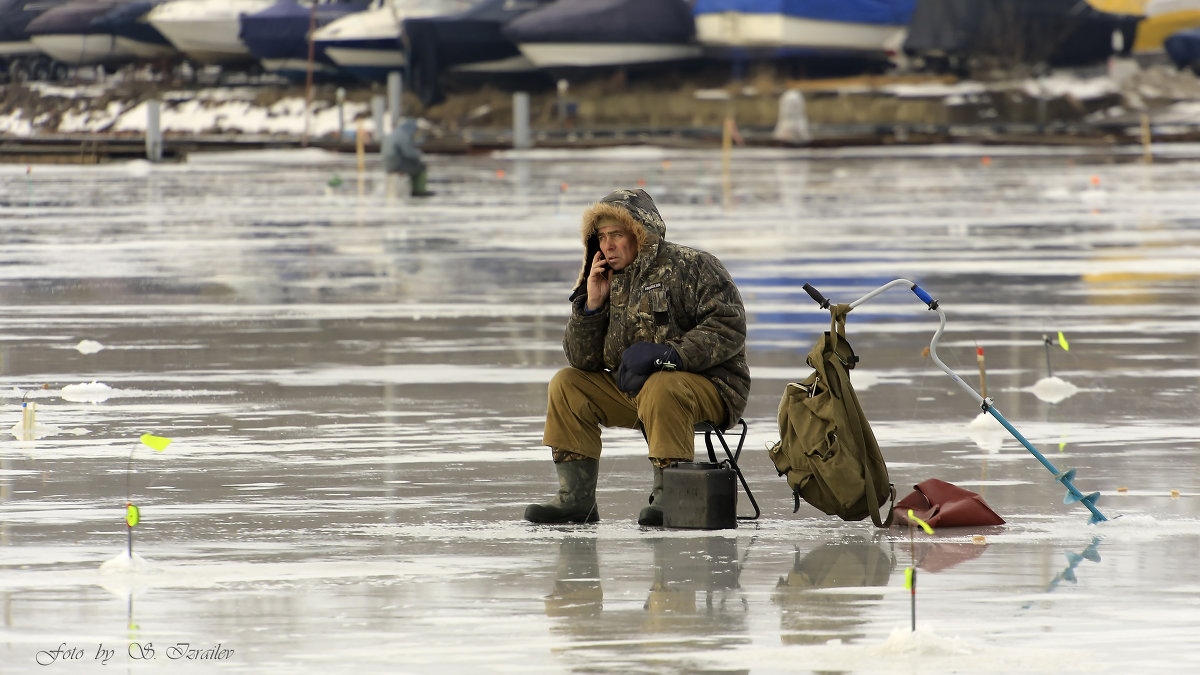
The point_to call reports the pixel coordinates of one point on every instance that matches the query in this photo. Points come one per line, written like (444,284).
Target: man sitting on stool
(656,338)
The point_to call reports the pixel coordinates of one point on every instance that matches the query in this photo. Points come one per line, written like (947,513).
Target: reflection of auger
(1073,560)
(1065,477)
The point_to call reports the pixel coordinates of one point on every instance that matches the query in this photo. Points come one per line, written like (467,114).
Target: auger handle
(816,295)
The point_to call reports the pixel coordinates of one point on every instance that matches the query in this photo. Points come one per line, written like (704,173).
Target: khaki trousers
(668,406)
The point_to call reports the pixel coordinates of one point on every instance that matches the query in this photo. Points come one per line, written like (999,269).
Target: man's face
(617,244)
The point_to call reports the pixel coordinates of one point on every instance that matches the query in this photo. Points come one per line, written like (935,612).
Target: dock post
(379,116)
(154,143)
(340,95)
(522,139)
(395,90)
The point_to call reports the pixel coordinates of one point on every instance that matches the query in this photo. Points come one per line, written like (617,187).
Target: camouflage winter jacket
(670,294)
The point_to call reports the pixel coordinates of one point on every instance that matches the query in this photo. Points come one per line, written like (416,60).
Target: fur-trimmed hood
(634,209)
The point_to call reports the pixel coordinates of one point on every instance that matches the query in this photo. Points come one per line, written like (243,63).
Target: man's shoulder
(682,251)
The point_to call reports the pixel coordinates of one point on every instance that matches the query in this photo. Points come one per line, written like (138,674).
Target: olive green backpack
(826,447)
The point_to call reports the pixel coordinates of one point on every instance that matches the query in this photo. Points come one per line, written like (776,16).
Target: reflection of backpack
(841,565)
(826,447)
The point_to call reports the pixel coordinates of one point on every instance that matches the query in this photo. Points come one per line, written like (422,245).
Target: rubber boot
(576,498)
(418,183)
(652,515)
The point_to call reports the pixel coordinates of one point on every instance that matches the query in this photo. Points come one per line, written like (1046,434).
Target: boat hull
(594,55)
(366,60)
(84,50)
(781,31)
(206,32)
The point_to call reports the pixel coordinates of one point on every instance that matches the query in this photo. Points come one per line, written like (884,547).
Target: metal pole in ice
(154,149)
(522,139)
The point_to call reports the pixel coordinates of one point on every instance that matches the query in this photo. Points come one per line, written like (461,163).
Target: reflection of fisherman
(401,155)
(686,570)
(810,616)
(577,590)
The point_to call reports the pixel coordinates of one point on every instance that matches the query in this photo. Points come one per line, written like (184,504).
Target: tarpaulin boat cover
(1184,47)
(15,16)
(281,30)
(1058,32)
(71,18)
(884,12)
(606,22)
(123,20)
(436,43)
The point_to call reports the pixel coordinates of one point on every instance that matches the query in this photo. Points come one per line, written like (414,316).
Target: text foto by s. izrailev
(137,651)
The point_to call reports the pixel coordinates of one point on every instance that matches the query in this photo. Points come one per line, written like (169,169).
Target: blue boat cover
(885,12)
(1184,48)
(433,44)
(606,21)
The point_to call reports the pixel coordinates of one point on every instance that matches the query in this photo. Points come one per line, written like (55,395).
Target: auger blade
(1066,476)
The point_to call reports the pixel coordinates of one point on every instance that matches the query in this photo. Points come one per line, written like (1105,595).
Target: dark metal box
(699,495)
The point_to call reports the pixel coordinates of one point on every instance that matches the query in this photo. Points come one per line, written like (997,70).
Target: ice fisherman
(656,339)
(401,155)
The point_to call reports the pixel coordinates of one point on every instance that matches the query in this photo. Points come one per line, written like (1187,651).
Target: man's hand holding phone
(598,283)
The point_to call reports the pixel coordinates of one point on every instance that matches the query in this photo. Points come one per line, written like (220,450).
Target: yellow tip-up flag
(132,515)
(924,525)
(1062,341)
(156,442)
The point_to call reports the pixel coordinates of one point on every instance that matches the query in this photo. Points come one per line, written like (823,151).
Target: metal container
(699,495)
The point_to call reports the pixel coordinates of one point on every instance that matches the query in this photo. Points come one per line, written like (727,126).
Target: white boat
(368,44)
(65,33)
(604,33)
(206,31)
(839,27)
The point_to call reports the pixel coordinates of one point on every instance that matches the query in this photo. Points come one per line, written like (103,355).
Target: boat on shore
(801,27)
(207,31)
(369,44)
(20,59)
(462,45)
(278,37)
(128,22)
(605,33)
(74,33)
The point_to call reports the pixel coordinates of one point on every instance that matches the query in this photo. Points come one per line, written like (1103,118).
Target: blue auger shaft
(1073,493)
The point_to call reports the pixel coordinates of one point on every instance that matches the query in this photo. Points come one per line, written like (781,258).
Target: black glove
(641,360)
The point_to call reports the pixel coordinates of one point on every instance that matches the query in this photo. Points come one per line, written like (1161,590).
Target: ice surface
(355,382)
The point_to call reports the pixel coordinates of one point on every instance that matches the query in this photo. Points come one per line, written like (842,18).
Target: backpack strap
(873,501)
(837,328)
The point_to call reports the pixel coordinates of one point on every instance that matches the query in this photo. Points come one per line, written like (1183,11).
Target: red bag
(942,504)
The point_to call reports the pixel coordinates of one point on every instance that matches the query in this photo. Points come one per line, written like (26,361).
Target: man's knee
(662,387)
(565,380)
